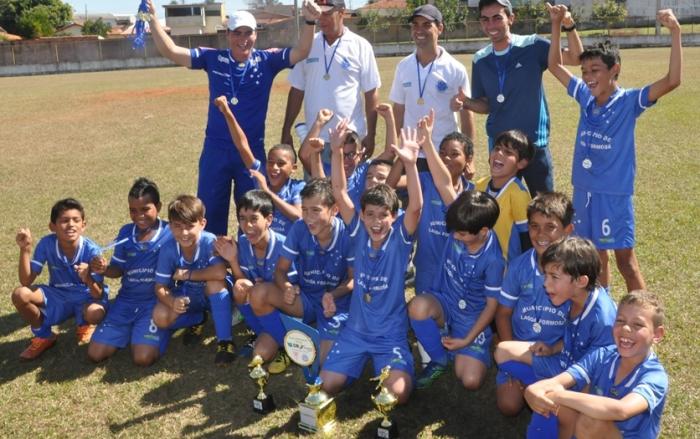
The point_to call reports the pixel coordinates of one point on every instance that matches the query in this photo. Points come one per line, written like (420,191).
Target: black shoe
(247,349)
(193,334)
(225,353)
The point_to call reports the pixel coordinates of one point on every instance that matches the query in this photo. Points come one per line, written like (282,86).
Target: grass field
(89,136)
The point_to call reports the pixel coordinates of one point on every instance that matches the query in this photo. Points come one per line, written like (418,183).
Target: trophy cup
(317,412)
(262,403)
(385,402)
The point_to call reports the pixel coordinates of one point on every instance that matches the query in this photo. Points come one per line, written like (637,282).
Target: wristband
(569,29)
(310,22)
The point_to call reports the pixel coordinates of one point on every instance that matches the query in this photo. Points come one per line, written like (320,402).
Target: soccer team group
(491,263)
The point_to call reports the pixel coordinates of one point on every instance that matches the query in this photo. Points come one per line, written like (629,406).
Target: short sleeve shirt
(263,268)
(171,258)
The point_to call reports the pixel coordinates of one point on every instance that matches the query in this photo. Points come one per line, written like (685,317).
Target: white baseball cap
(241,19)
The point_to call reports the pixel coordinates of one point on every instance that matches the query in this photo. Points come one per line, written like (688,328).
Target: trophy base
(387,430)
(317,419)
(263,406)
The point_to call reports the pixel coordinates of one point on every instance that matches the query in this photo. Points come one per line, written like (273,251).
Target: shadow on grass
(10,323)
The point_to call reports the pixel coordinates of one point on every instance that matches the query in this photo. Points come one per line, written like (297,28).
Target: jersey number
(605,227)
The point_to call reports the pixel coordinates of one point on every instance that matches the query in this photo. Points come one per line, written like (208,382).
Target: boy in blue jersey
(277,183)
(129,321)
(626,384)
(524,311)
(511,152)
(571,267)
(72,291)
(319,248)
(190,279)
(377,325)
(464,299)
(254,258)
(604,153)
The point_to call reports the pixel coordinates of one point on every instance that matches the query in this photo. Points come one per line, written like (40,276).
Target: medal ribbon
(234,90)
(327,64)
(501,69)
(422,84)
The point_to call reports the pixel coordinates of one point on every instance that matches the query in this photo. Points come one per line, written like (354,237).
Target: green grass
(89,135)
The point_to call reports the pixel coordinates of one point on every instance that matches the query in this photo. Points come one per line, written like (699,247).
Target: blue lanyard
(501,69)
(422,84)
(327,64)
(234,90)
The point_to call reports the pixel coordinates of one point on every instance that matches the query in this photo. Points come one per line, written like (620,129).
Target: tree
(96,27)
(453,13)
(32,18)
(609,12)
(374,22)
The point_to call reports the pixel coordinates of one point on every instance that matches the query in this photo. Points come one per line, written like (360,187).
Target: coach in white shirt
(428,78)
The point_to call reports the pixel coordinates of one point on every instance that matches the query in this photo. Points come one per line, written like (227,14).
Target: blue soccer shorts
(198,304)
(547,366)
(351,351)
(328,328)
(459,325)
(607,220)
(129,323)
(60,304)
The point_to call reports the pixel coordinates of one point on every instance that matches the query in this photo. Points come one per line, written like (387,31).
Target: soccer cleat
(84,334)
(193,334)
(280,363)
(431,373)
(37,346)
(225,353)
(247,349)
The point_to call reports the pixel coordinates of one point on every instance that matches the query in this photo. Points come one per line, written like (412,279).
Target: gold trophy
(317,412)
(262,403)
(385,402)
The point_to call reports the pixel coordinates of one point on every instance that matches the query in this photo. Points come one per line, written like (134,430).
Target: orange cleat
(37,347)
(84,333)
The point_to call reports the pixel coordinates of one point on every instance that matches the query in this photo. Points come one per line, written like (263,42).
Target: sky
(131,6)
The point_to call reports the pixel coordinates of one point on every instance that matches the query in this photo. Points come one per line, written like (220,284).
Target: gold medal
(368,298)
(421,101)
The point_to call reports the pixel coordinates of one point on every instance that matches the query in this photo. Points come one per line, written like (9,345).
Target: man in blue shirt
(245,76)
(507,85)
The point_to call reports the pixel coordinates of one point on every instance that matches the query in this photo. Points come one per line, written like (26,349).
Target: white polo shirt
(439,84)
(351,72)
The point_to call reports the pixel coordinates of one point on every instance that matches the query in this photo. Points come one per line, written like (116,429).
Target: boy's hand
(222,104)
(316,145)
(323,116)
(98,265)
(242,287)
(469,169)
(457,101)
(180,304)
(226,248)
(24,239)
(407,152)
(151,8)
(538,400)
(310,10)
(290,293)
(260,179)
(425,128)
(328,302)
(83,270)
(385,110)
(338,134)
(668,19)
(452,344)
(540,349)
(556,13)
(182,274)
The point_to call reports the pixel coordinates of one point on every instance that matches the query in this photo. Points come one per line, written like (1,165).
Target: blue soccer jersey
(534,317)
(249,82)
(319,269)
(62,274)
(263,269)
(137,260)
(598,369)
(171,258)
(522,68)
(604,154)
(468,279)
(378,304)
(432,233)
(290,193)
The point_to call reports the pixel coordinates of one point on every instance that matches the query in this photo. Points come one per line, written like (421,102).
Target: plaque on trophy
(302,344)
(385,402)
(262,403)
(317,412)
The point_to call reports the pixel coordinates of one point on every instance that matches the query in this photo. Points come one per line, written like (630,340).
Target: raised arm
(371,101)
(306,150)
(311,12)
(237,134)
(572,54)
(438,169)
(24,242)
(675,65)
(387,113)
(294,100)
(338,180)
(407,152)
(165,45)
(555,63)
(316,145)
